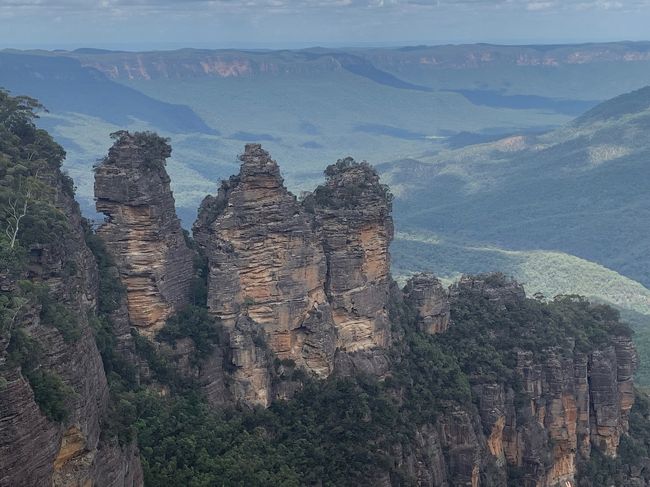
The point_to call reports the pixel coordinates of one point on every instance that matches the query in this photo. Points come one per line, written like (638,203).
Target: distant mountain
(193,63)
(62,84)
(581,189)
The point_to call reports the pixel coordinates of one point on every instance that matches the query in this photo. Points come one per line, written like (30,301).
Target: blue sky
(154,24)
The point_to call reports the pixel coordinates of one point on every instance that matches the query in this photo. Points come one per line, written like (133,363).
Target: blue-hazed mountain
(581,189)
(64,85)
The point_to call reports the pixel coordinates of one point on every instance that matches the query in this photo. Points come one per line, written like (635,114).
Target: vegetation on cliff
(30,164)
(359,429)
(346,431)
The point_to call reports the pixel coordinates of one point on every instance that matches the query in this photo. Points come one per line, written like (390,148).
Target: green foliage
(152,149)
(111,290)
(486,335)
(338,432)
(199,285)
(349,192)
(115,364)
(334,433)
(23,350)
(196,323)
(50,393)
(53,312)
(162,369)
(28,158)
(12,260)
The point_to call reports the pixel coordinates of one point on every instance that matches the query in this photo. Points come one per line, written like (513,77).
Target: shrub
(50,393)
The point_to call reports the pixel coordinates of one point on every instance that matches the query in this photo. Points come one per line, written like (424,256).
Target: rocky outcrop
(35,449)
(431,301)
(495,287)
(141,230)
(266,262)
(569,402)
(353,211)
(314,276)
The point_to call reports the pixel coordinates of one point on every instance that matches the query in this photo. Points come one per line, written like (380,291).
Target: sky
(170,24)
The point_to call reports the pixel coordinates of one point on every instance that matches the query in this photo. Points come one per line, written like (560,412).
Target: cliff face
(229,63)
(266,262)
(353,210)
(509,390)
(313,276)
(141,230)
(35,449)
(427,296)
(570,402)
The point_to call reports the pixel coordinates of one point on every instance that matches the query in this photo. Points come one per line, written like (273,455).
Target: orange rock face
(353,210)
(313,275)
(142,231)
(266,262)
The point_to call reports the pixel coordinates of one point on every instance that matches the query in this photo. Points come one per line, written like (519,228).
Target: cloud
(264,22)
(531,5)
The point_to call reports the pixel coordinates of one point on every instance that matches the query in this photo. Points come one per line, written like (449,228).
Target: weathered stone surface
(570,402)
(353,210)
(463,447)
(252,363)
(423,459)
(495,287)
(605,403)
(33,449)
(141,230)
(266,261)
(425,293)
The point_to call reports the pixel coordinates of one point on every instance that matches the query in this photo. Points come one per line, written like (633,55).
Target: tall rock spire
(266,261)
(353,210)
(141,230)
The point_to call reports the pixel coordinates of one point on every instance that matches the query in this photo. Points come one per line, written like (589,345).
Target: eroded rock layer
(425,293)
(353,211)
(570,401)
(141,230)
(266,262)
(36,447)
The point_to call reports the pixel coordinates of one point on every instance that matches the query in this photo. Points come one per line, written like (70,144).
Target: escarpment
(141,230)
(567,400)
(475,385)
(53,388)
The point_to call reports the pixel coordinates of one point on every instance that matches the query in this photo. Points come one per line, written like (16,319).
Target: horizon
(291,24)
(308,46)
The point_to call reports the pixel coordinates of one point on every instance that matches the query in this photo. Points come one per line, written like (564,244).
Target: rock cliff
(569,401)
(426,294)
(353,211)
(48,352)
(266,262)
(475,386)
(141,230)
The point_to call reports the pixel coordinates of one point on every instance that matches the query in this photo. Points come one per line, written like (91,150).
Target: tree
(16,210)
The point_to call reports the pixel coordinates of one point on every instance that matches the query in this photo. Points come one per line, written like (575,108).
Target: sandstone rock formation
(425,293)
(353,210)
(35,450)
(141,230)
(495,287)
(570,402)
(314,276)
(266,262)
